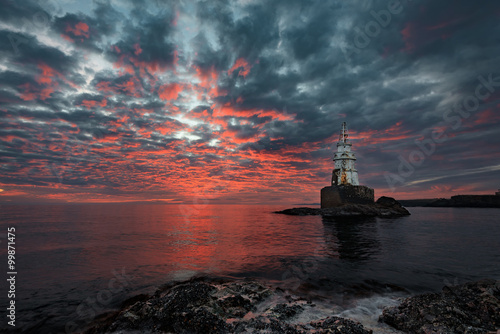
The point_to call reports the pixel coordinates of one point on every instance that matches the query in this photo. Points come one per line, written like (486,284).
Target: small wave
(368,310)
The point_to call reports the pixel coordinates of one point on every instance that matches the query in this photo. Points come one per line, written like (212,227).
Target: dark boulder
(393,205)
(301,211)
(468,308)
(388,202)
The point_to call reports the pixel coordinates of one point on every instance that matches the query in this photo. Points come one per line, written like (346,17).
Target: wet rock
(236,306)
(301,211)
(338,326)
(209,306)
(384,207)
(284,311)
(468,308)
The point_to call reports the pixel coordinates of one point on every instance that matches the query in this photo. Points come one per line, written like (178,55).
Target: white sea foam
(364,310)
(368,310)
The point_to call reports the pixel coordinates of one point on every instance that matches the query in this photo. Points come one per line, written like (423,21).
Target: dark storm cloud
(26,14)
(79,29)
(13,81)
(400,74)
(31,53)
(110,94)
(259,32)
(207,56)
(80,98)
(153,45)
(333,81)
(90,32)
(441,29)
(107,18)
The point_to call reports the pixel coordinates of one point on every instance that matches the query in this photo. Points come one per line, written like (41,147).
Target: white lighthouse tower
(344,172)
(345,186)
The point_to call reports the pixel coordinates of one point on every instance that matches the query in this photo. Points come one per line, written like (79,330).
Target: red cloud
(120,63)
(408,37)
(91,104)
(169,92)
(131,87)
(80,29)
(66,37)
(47,83)
(31,92)
(208,82)
(373,137)
(487,116)
(137,49)
(240,63)
(228,110)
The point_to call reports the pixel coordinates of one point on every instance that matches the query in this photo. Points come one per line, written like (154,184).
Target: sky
(242,101)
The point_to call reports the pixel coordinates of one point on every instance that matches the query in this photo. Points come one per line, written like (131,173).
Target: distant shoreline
(459,201)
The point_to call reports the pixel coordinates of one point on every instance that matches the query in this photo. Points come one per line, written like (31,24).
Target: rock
(388,202)
(384,207)
(393,205)
(209,306)
(284,311)
(301,211)
(338,326)
(468,308)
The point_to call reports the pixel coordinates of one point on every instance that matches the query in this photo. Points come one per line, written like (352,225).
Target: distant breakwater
(383,207)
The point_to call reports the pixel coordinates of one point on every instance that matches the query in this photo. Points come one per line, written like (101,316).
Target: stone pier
(334,196)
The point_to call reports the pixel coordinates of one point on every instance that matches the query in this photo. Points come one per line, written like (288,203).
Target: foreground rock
(384,207)
(202,306)
(469,308)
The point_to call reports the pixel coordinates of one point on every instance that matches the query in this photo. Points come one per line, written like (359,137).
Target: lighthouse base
(334,196)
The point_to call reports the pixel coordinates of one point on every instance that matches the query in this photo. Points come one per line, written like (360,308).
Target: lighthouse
(344,171)
(345,186)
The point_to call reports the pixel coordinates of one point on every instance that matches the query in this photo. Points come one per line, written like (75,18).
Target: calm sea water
(75,261)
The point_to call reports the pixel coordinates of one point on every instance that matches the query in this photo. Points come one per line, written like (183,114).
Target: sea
(74,262)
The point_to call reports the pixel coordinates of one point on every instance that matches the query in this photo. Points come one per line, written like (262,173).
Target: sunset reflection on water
(68,253)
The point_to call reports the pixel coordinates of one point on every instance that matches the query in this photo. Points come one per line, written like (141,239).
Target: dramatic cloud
(242,101)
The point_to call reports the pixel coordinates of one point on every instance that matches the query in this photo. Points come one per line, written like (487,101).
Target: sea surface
(75,261)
